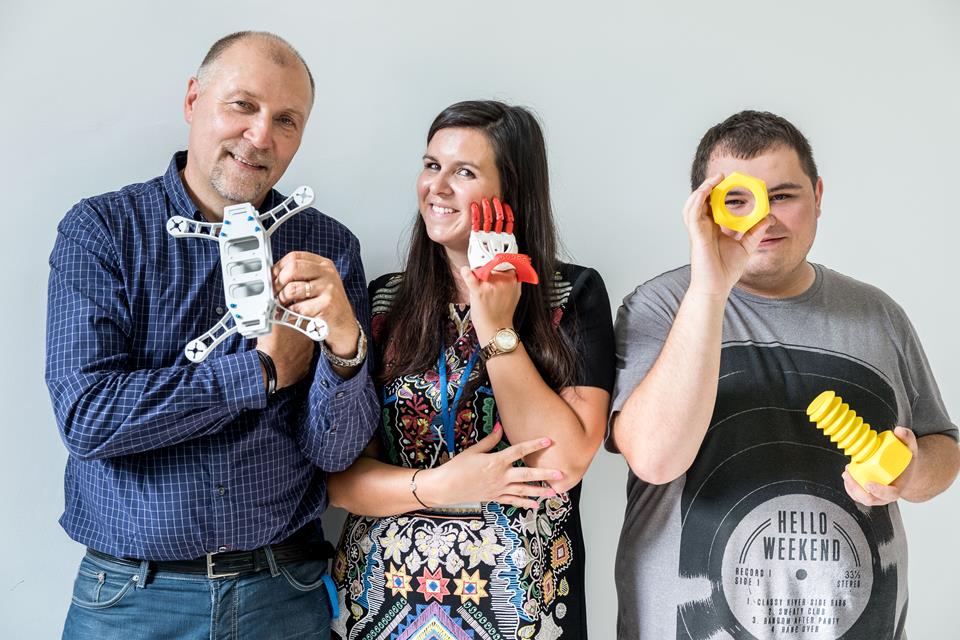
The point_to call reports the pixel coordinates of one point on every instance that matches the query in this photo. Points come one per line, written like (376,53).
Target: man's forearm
(938,460)
(661,426)
(104,414)
(340,417)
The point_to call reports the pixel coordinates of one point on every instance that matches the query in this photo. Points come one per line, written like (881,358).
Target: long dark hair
(412,339)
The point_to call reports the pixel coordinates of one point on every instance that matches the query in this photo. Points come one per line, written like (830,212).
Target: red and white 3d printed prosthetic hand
(496,250)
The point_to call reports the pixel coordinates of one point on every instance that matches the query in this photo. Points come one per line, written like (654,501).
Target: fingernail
(557,475)
(546,442)
(496,427)
(552,494)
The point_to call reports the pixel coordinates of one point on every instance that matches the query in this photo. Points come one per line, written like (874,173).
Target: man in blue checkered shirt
(197,487)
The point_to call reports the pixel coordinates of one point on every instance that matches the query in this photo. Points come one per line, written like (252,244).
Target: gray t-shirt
(759,539)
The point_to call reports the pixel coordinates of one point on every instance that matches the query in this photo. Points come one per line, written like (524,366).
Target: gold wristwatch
(505,340)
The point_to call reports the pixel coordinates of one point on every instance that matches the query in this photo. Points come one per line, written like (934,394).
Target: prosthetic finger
(498,209)
(475,217)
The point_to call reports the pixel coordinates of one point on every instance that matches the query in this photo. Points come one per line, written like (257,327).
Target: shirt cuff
(331,386)
(240,380)
(339,396)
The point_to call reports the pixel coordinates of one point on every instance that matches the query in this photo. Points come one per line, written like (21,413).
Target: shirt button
(324,384)
(220,310)
(338,395)
(221,549)
(221,490)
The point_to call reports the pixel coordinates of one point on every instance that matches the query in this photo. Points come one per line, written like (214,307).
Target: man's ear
(818,194)
(193,92)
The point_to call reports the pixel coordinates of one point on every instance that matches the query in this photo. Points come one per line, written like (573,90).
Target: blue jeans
(114,601)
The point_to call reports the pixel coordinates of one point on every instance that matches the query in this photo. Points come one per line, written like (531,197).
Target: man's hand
(876,495)
(291,352)
(310,285)
(717,260)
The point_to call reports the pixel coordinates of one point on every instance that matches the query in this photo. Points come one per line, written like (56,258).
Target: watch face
(506,340)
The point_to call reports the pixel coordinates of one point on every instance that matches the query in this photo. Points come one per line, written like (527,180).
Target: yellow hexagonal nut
(886,464)
(722,215)
(879,458)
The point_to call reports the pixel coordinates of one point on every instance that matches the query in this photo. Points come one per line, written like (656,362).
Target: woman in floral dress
(458,533)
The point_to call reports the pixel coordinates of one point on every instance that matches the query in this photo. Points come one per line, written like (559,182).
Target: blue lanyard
(448,413)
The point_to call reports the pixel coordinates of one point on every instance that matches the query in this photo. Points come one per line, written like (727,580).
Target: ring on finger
(308,289)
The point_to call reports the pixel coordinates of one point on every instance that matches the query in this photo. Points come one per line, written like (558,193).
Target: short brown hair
(748,134)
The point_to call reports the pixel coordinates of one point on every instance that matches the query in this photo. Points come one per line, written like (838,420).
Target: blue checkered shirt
(171,459)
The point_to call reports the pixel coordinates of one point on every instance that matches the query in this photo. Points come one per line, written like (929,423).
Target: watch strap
(491,349)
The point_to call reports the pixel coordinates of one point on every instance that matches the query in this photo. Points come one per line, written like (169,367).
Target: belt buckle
(210,572)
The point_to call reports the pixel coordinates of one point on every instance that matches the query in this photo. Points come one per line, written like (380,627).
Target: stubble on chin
(235,190)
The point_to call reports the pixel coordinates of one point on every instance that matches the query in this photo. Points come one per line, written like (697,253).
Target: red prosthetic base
(520,263)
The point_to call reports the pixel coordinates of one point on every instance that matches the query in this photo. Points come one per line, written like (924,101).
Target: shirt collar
(173,184)
(184,206)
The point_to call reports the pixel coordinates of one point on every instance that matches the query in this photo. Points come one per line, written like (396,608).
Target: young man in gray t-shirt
(741,521)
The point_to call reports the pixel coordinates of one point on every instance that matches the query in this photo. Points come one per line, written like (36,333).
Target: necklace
(462,323)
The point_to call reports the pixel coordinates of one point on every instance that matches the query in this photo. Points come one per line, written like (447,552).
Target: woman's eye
(466,173)
(432,166)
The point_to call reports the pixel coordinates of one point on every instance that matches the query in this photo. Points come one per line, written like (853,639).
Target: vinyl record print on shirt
(765,518)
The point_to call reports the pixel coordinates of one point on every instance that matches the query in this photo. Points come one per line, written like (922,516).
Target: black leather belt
(229,564)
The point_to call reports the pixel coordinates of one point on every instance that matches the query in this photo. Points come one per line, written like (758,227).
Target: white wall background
(91,101)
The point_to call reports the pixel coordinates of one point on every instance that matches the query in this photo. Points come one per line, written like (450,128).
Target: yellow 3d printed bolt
(718,197)
(879,458)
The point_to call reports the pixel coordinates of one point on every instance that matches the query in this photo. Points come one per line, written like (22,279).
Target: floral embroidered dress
(486,571)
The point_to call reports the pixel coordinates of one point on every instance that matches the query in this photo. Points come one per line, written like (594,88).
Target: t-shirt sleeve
(587,320)
(928,415)
(641,329)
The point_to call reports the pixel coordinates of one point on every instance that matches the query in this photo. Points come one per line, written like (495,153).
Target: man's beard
(235,184)
(235,189)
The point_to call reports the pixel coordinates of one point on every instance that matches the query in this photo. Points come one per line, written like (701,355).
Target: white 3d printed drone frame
(247,262)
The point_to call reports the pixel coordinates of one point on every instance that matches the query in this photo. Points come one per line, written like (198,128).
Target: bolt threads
(837,420)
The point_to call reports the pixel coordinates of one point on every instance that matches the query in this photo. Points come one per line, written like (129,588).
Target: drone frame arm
(199,348)
(180,227)
(301,198)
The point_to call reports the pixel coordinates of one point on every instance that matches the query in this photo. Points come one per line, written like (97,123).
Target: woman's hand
(492,303)
(479,475)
